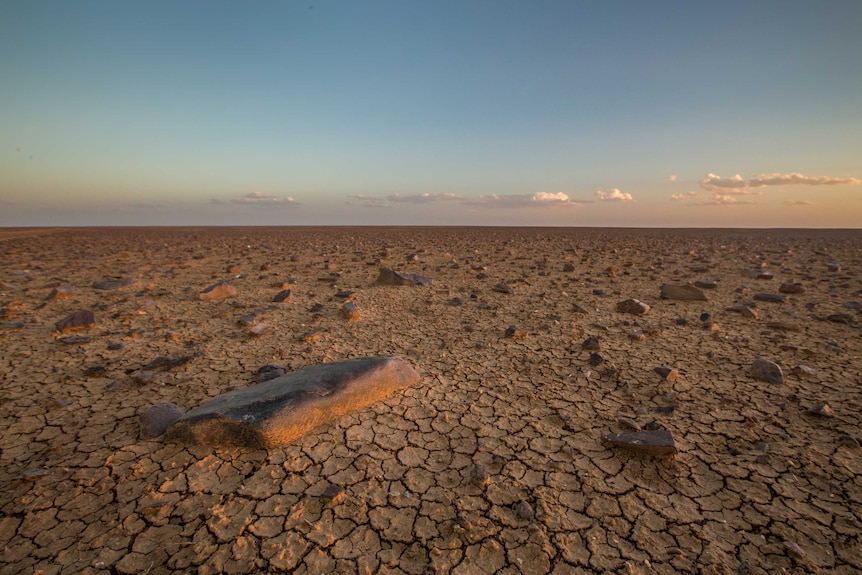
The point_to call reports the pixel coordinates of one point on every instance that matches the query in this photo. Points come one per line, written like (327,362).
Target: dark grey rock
(156,419)
(682,292)
(280,410)
(657,442)
(792,288)
(218,292)
(591,343)
(633,306)
(63,292)
(669,374)
(81,319)
(268,372)
(388,276)
(114,283)
(282,296)
(771,297)
(766,370)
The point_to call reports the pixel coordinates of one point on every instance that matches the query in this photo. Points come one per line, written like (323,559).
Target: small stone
(156,419)
(659,442)
(771,297)
(596,359)
(388,276)
(502,287)
(81,319)
(591,343)
(568,267)
(833,267)
(333,493)
(282,296)
(633,306)
(114,284)
(258,329)
(668,374)
(629,423)
(75,339)
(766,370)
(456,301)
(268,372)
(759,274)
(94,370)
(218,292)
(115,345)
(34,472)
(516,333)
(479,476)
(578,308)
(682,292)
(308,336)
(706,284)
(11,326)
(804,371)
(525,510)
(844,318)
(350,311)
(795,550)
(145,376)
(821,409)
(64,292)
(792,288)
(636,335)
(744,290)
(783,326)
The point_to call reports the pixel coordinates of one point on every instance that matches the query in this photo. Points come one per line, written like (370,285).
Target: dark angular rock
(388,276)
(766,370)
(268,372)
(821,409)
(568,267)
(283,295)
(759,274)
(350,311)
(669,374)
(591,343)
(479,476)
(845,318)
(502,287)
(156,419)
(333,493)
(657,442)
(596,359)
(683,293)
(516,333)
(771,297)
(81,319)
(280,410)
(525,510)
(11,326)
(706,284)
(114,283)
(633,306)
(75,339)
(218,292)
(792,288)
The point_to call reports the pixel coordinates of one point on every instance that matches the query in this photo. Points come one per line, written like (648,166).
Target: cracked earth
(494,462)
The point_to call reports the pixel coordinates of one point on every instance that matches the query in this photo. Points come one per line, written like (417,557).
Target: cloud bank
(739,185)
(614,195)
(258,198)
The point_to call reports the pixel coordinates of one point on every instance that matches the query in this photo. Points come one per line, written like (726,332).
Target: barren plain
(495,461)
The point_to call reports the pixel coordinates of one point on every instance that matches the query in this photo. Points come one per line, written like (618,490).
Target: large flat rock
(280,410)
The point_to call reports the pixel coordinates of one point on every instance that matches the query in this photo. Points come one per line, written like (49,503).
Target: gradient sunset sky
(557,113)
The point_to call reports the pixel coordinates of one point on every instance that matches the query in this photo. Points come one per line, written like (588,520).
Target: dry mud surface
(494,462)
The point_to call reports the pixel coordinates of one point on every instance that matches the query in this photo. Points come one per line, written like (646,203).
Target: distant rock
(156,419)
(669,374)
(502,287)
(388,276)
(282,296)
(516,333)
(821,409)
(766,370)
(682,292)
(81,319)
(804,371)
(706,284)
(280,410)
(218,292)
(114,283)
(659,442)
(759,274)
(833,267)
(771,297)
(792,288)
(268,372)
(350,311)
(633,306)
(591,343)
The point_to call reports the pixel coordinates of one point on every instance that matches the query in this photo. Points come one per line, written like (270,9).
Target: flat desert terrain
(496,460)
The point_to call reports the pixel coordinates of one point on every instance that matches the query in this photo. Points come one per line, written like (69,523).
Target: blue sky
(487,113)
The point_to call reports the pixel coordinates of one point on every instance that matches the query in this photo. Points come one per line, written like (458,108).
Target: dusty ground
(759,485)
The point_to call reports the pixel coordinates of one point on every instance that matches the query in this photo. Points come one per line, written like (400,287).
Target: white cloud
(422,198)
(794,203)
(726,200)
(739,185)
(369,201)
(258,198)
(538,199)
(683,197)
(672,177)
(614,196)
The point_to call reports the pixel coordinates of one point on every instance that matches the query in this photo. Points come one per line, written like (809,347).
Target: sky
(444,112)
